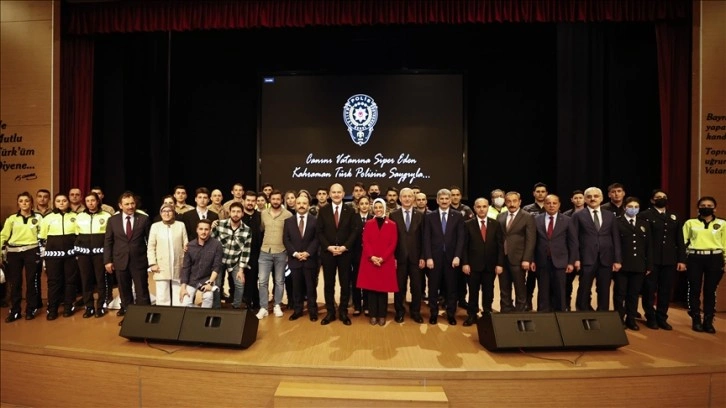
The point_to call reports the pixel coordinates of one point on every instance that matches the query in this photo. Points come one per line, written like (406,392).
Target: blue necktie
(443,222)
(408,220)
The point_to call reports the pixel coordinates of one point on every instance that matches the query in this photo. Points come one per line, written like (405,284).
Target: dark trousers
(551,282)
(532,280)
(706,270)
(360,299)
(569,286)
(481,281)
(341,264)
(443,274)
(657,289)
(405,272)
(303,286)
(251,294)
(600,274)
(17,262)
(290,289)
(93,276)
(62,286)
(513,275)
(377,303)
(461,287)
(141,285)
(625,297)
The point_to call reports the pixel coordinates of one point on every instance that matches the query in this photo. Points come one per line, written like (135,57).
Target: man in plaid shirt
(236,241)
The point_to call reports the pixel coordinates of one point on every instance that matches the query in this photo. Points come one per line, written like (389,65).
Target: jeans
(239,288)
(267,262)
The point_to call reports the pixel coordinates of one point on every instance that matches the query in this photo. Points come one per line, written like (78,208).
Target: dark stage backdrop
(571,105)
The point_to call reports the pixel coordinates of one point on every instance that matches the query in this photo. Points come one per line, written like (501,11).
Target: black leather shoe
(68,312)
(30,314)
(399,318)
(417,318)
(664,325)
(121,323)
(651,324)
(12,317)
(100,312)
(295,316)
(313,318)
(345,319)
(630,324)
(451,320)
(469,321)
(121,313)
(89,313)
(52,315)
(327,319)
(381,321)
(432,320)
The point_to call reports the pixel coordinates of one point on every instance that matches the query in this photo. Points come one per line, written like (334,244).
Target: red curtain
(674,67)
(76,112)
(164,15)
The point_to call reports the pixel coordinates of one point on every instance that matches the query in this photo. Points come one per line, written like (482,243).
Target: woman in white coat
(167,240)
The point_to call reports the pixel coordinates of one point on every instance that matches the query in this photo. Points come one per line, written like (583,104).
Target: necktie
(202,217)
(484,230)
(408,219)
(443,222)
(632,223)
(336,216)
(301,225)
(129,231)
(550,227)
(596,219)
(509,223)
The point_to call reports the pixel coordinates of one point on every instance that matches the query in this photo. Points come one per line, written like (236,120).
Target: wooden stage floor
(84,362)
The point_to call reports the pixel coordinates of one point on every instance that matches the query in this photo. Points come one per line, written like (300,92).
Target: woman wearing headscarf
(165,252)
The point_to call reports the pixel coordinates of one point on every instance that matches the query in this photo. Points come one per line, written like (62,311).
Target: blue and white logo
(360,114)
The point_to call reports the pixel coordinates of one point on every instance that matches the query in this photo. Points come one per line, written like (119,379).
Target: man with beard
(391,200)
(202,263)
(251,218)
(273,257)
(236,240)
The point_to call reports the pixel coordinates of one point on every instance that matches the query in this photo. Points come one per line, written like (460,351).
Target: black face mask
(374,195)
(705,212)
(660,202)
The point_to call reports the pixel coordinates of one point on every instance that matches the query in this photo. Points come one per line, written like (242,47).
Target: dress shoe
(327,319)
(664,325)
(708,324)
(30,314)
(345,319)
(381,321)
(399,318)
(452,320)
(101,311)
(12,317)
(374,321)
(432,320)
(417,318)
(696,326)
(313,318)
(89,313)
(52,315)
(630,324)
(356,312)
(121,313)
(68,312)
(651,324)
(121,323)
(295,316)
(469,321)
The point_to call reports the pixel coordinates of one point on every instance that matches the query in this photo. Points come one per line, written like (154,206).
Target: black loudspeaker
(152,322)
(592,329)
(229,327)
(507,331)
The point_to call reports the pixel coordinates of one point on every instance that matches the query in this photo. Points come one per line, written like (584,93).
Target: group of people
(373,245)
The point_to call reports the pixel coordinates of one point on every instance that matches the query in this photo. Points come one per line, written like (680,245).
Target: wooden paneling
(326,394)
(25,10)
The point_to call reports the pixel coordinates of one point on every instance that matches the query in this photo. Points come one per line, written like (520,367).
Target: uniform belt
(22,248)
(705,251)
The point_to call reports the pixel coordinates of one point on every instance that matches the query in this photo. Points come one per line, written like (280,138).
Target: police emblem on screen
(360,114)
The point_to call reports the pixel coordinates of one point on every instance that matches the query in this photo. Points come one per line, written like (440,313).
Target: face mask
(660,202)
(374,195)
(499,202)
(632,212)
(705,212)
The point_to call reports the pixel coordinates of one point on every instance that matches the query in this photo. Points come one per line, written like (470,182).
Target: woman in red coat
(377,271)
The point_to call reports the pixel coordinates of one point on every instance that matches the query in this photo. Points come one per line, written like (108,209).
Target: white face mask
(499,202)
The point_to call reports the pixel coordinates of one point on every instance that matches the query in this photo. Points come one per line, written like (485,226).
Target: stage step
(300,394)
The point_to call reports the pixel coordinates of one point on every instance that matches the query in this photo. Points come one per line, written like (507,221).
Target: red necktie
(550,227)
(129,231)
(301,225)
(336,216)
(484,231)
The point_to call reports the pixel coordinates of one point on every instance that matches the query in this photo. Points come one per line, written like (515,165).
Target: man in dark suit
(301,243)
(409,260)
(520,235)
(443,248)
(124,252)
(201,211)
(337,231)
(600,250)
(483,258)
(555,255)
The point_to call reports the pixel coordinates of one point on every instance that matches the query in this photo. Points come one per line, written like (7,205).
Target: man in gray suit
(555,255)
(600,251)
(520,235)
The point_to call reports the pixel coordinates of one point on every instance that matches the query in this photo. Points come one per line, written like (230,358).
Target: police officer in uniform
(91,227)
(669,256)
(705,238)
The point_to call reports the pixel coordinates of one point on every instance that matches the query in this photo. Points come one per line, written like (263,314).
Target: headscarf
(382,201)
(173,212)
